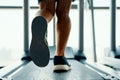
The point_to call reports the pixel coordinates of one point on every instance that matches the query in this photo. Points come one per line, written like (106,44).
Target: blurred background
(12,28)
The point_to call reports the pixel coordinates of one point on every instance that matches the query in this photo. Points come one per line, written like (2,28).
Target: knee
(50,10)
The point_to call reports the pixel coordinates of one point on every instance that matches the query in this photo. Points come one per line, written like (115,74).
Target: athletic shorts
(41,0)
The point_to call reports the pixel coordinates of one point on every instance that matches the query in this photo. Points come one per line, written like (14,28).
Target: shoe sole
(61,68)
(39,51)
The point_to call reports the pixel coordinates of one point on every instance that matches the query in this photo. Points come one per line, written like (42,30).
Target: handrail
(74,6)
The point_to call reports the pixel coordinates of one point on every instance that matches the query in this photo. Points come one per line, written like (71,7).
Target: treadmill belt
(78,72)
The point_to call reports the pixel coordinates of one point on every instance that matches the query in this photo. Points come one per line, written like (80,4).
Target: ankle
(59,55)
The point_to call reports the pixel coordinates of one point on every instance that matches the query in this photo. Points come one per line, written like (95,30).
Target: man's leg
(39,51)
(63,31)
(63,25)
(47,9)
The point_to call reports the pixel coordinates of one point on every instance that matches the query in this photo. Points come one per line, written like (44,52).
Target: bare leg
(47,9)
(63,25)
(39,51)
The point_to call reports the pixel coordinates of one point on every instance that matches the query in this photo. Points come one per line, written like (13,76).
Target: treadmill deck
(78,72)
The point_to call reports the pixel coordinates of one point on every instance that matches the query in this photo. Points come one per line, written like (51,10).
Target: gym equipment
(27,70)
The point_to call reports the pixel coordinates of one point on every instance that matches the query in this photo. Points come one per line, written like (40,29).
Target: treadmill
(112,54)
(27,70)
